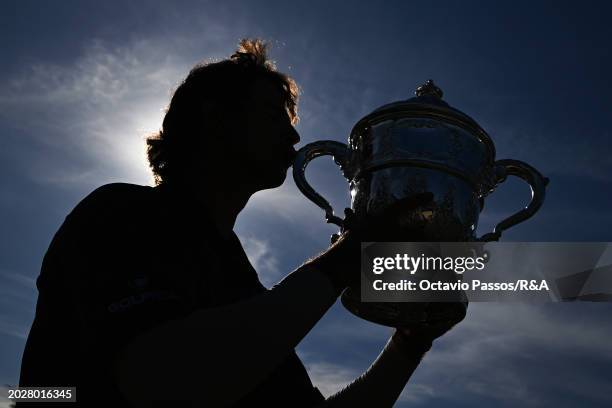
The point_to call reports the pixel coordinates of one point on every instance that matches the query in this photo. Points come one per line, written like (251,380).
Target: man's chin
(274,180)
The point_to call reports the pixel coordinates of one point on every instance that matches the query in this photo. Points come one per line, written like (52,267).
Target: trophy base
(403,314)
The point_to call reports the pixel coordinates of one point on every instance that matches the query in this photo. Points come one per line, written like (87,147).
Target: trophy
(419,146)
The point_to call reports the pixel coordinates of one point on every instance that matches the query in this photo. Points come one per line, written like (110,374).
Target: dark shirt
(126,259)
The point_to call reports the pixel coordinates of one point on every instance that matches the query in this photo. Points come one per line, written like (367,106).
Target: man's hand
(420,337)
(341,262)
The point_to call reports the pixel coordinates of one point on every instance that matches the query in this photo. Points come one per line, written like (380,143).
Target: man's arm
(382,383)
(216,356)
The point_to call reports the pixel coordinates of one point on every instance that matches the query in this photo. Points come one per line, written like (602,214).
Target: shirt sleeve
(121,283)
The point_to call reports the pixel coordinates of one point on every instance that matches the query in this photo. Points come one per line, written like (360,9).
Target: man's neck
(223,206)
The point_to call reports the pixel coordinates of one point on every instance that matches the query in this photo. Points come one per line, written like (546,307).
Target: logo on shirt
(133,300)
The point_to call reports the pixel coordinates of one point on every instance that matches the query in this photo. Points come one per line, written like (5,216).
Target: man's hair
(212,90)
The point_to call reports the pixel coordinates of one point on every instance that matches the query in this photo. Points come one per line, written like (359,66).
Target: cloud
(87,118)
(506,354)
(4,401)
(262,259)
(416,393)
(18,278)
(16,289)
(93,112)
(17,293)
(498,350)
(289,206)
(330,378)
(12,329)
(286,202)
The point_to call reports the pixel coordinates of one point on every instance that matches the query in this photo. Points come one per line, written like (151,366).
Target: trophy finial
(429,88)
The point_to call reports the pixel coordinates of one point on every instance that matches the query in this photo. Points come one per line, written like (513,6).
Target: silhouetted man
(146,296)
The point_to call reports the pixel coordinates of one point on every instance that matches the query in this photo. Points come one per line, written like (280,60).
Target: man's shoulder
(114,197)
(105,219)
(117,193)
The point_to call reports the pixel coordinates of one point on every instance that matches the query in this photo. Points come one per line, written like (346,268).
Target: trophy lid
(428,93)
(428,96)
(427,102)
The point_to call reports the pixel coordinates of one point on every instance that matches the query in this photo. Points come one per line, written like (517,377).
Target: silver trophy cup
(414,147)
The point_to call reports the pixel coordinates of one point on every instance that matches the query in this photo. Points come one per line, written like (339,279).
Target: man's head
(232,117)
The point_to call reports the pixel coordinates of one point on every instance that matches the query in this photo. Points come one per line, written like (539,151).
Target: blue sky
(83,83)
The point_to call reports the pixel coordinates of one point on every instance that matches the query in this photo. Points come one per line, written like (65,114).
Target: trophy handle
(340,153)
(536,181)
